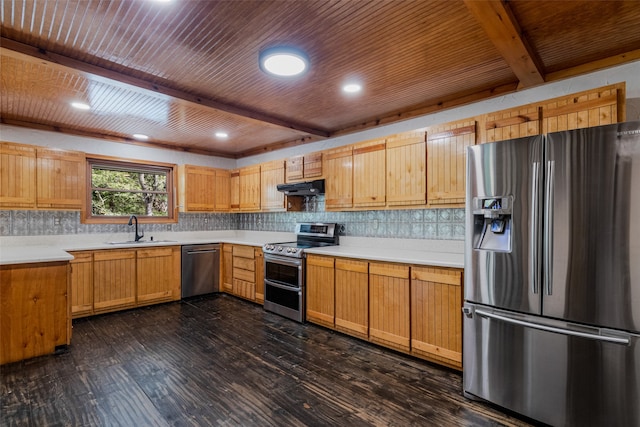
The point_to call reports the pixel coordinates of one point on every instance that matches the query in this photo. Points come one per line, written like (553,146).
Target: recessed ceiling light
(140,136)
(222,135)
(80,106)
(283,61)
(352,88)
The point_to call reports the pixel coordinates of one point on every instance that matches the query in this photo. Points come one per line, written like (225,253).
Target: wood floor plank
(222,361)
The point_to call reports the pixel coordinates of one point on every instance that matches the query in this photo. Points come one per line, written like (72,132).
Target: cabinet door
(155,275)
(227,268)
(197,187)
(407,169)
(61,176)
(294,168)
(271,174)
(320,290)
(512,123)
(17,175)
(114,280)
(312,165)
(338,166)
(234,190)
(389,308)
(352,297)
(585,109)
(369,174)
(250,188)
(259,258)
(436,316)
(244,272)
(446,155)
(223,191)
(81,284)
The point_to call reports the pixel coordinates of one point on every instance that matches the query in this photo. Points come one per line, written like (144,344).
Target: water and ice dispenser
(492,221)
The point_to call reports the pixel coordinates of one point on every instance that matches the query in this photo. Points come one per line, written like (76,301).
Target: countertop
(34,249)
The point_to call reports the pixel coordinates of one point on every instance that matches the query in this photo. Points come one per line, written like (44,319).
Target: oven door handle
(283,261)
(278,285)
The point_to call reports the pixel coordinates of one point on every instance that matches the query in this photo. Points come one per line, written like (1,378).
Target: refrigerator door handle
(533,241)
(596,337)
(548,228)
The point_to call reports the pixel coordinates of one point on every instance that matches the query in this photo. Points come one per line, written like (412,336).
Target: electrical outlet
(56,221)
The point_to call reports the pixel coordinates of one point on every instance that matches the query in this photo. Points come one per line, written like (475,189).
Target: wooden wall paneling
(81,284)
(222,199)
(294,168)
(197,188)
(338,165)
(436,315)
(389,307)
(226,278)
(250,188)
(407,169)
(352,297)
(60,178)
(320,290)
(17,175)
(114,280)
(234,190)
(31,297)
(155,275)
(446,154)
(585,109)
(369,174)
(512,123)
(259,264)
(272,174)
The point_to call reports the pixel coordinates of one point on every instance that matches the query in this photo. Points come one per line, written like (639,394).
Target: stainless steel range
(284,268)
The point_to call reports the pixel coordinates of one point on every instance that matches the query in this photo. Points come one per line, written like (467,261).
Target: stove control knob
(279,248)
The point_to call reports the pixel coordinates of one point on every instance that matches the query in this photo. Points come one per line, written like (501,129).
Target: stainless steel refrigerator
(552,276)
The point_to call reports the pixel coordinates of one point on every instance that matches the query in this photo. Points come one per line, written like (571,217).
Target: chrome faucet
(138,236)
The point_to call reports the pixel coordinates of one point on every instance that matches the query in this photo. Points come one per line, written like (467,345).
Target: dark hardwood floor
(221,361)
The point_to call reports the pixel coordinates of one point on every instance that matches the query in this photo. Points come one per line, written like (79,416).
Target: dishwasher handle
(208,251)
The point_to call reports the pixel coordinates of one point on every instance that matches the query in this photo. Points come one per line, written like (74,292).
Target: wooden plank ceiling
(181,70)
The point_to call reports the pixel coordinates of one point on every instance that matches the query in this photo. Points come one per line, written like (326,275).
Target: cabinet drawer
(244,263)
(243,251)
(249,276)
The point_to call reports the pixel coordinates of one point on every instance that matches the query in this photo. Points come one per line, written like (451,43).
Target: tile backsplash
(443,224)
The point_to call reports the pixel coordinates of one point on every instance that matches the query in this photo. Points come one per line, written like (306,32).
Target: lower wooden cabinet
(227,268)
(259,257)
(34,315)
(436,319)
(244,272)
(389,308)
(116,279)
(320,290)
(352,297)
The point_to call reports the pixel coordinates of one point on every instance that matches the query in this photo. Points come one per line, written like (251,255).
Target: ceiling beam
(95,70)
(495,17)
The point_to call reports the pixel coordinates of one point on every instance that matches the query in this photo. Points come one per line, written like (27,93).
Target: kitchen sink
(133,242)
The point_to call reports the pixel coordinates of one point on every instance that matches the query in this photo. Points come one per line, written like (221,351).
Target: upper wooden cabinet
(250,188)
(510,124)
(203,189)
(234,190)
(338,165)
(446,153)
(61,178)
(304,167)
(17,175)
(585,109)
(40,177)
(369,174)
(407,169)
(272,174)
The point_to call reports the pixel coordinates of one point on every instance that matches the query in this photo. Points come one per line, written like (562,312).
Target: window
(118,189)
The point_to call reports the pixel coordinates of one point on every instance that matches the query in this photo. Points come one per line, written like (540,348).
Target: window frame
(134,165)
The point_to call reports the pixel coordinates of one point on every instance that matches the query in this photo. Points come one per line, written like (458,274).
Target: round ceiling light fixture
(284,61)
(352,87)
(140,136)
(80,105)
(222,134)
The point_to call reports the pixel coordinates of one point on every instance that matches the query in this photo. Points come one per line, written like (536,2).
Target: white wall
(629,73)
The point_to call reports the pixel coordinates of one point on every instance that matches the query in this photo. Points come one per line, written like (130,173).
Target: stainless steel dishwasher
(200,269)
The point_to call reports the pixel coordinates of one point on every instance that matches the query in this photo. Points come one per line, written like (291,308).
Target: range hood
(308,188)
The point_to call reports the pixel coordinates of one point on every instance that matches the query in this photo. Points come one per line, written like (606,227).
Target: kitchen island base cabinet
(35,317)
(436,315)
(352,297)
(320,290)
(389,308)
